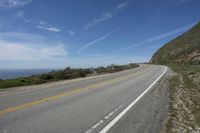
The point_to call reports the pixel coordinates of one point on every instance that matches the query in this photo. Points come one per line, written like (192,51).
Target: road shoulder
(149,114)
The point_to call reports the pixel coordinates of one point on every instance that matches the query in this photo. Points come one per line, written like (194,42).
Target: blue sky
(85,33)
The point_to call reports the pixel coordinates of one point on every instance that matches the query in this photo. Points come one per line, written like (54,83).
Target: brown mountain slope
(183,49)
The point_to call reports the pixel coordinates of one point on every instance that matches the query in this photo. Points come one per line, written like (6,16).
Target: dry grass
(184,100)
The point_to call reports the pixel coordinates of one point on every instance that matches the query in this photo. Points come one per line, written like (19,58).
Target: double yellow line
(30,104)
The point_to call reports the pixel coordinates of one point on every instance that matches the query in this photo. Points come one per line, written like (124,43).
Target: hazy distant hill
(183,49)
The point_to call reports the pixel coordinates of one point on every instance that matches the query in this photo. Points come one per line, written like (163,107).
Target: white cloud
(49,28)
(28,52)
(105,16)
(159,37)
(53,29)
(45,26)
(8,4)
(10,49)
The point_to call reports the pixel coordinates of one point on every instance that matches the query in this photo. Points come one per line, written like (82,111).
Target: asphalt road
(87,105)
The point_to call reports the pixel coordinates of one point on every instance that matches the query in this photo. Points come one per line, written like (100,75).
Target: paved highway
(87,105)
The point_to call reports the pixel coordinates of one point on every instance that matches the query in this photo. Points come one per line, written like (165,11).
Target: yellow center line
(87,88)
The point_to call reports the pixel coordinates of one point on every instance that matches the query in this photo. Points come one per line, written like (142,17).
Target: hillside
(182,55)
(183,49)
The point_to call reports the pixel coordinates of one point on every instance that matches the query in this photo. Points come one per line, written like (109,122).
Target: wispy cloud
(41,25)
(160,37)
(105,16)
(52,29)
(71,33)
(182,1)
(21,37)
(8,4)
(94,42)
(122,5)
(45,26)
(20,15)
(24,50)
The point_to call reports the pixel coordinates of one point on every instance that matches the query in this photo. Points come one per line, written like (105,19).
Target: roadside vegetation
(184,100)
(68,73)
(182,54)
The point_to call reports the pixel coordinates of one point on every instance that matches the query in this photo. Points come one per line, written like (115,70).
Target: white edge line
(116,119)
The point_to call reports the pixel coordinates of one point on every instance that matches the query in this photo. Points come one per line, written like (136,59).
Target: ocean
(15,73)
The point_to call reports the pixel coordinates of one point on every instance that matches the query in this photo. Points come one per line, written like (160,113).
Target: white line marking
(96,125)
(111,113)
(116,119)
(89,131)
(101,121)
(106,117)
